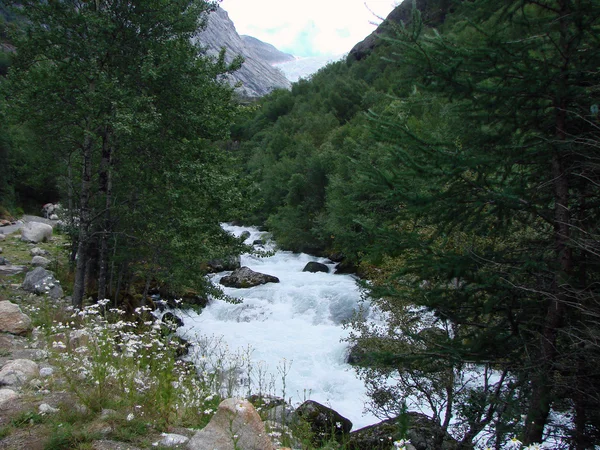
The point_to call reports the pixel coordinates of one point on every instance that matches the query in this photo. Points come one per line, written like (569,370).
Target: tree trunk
(106,190)
(84,225)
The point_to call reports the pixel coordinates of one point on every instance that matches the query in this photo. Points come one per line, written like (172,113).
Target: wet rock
(314,266)
(236,425)
(324,422)
(245,235)
(246,278)
(258,242)
(12,319)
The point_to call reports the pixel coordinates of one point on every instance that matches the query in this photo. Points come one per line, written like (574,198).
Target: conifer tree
(498,236)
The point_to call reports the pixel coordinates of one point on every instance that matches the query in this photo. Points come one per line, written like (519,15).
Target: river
(285,338)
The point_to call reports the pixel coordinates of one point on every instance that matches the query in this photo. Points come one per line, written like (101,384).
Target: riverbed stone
(12,319)
(235,425)
(244,277)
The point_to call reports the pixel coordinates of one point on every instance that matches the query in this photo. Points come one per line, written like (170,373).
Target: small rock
(46,372)
(1,249)
(106,413)
(36,251)
(7,395)
(171,440)
(17,372)
(4,261)
(245,235)
(40,261)
(45,408)
(2,237)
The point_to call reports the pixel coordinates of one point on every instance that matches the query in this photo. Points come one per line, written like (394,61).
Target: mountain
(266,52)
(257,77)
(433,13)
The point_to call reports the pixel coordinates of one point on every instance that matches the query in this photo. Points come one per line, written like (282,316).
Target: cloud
(310,27)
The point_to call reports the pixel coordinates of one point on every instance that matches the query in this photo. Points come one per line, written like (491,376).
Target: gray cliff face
(256,76)
(266,52)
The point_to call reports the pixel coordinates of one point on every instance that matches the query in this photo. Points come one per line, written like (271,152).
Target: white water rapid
(294,326)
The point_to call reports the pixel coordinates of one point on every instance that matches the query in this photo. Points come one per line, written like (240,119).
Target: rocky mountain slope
(257,76)
(266,52)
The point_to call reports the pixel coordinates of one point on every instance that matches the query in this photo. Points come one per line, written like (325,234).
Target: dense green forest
(454,166)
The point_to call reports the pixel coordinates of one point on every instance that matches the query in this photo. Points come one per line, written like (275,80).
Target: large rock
(245,278)
(423,434)
(41,281)
(314,267)
(236,425)
(324,422)
(36,232)
(17,372)
(12,319)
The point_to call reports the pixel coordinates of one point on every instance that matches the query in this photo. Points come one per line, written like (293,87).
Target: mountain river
(286,338)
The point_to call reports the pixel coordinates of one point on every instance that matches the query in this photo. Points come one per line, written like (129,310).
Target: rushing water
(294,326)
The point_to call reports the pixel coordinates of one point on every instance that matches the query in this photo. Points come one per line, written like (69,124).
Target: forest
(455,167)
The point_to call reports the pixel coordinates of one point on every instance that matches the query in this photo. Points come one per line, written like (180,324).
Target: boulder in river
(245,277)
(314,266)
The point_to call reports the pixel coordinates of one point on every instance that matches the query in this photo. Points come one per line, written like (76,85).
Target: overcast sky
(308,27)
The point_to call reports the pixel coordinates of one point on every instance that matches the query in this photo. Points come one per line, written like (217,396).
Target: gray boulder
(17,372)
(40,261)
(246,278)
(41,281)
(36,232)
(314,266)
(324,422)
(2,237)
(12,319)
(235,425)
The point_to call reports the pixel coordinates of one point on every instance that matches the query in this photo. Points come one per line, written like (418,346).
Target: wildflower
(515,443)
(130,417)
